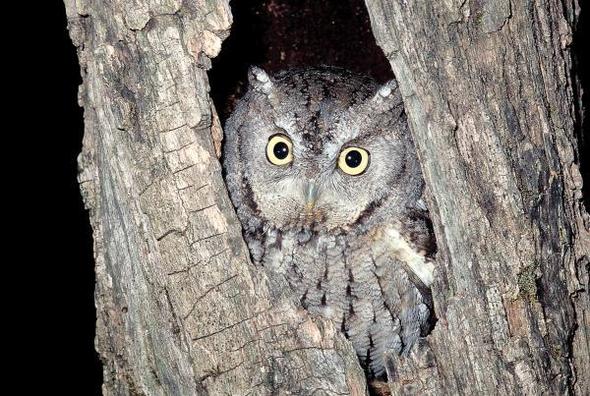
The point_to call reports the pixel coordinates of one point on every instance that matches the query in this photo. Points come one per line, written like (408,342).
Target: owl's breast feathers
(374,285)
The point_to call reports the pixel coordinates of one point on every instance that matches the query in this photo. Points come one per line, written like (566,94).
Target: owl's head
(320,149)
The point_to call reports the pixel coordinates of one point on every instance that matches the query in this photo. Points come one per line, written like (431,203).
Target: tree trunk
(181,310)
(489,93)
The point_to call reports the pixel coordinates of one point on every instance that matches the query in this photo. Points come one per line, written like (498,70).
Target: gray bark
(181,310)
(487,87)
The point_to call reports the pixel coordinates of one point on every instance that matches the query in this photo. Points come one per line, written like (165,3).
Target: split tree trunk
(181,310)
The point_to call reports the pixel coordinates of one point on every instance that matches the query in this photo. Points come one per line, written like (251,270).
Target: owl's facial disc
(317,152)
(320,189)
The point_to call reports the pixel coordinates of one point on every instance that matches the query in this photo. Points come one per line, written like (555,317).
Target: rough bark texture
(180,308)
(489,94)
(488,90)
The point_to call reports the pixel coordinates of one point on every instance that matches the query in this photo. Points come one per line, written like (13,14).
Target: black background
(56,233)
(57,238)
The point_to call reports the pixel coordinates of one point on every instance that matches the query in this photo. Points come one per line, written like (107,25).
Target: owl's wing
(416,228)
(414,371)
(410,242)
(407,298)
(394,311)
(409,265)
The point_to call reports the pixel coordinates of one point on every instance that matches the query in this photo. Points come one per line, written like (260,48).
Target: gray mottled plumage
(358,252)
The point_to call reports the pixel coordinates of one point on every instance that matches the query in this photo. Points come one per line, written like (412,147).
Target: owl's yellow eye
(353,160)
(279,150)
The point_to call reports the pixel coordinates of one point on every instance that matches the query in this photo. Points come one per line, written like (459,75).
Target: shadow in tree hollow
(279,34)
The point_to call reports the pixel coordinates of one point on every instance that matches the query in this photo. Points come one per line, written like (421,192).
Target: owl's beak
(311,195)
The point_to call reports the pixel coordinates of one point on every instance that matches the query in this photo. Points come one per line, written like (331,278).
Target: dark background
(279,34)
(61,357)
(64,317)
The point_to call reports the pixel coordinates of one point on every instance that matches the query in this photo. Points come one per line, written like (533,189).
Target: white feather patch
(421,204)
(418,263)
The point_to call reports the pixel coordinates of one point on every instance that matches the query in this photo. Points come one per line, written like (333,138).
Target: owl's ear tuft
(386,97)
(260,80)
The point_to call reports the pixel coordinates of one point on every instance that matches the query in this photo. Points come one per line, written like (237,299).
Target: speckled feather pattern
(353,257)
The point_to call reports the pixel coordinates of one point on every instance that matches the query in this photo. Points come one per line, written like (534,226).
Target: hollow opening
(281,34)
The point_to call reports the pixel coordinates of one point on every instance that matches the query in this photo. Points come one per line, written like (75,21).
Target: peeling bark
(488,90)
(489,94)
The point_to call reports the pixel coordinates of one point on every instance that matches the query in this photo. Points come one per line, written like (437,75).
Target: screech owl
(326,183)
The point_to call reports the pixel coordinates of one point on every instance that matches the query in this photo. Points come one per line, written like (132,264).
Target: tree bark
(491,101)
(181,310)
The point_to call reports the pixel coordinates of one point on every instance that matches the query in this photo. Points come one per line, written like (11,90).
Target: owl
(323,174)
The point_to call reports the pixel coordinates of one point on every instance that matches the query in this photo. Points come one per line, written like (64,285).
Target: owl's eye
(353,160)
(279,150)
